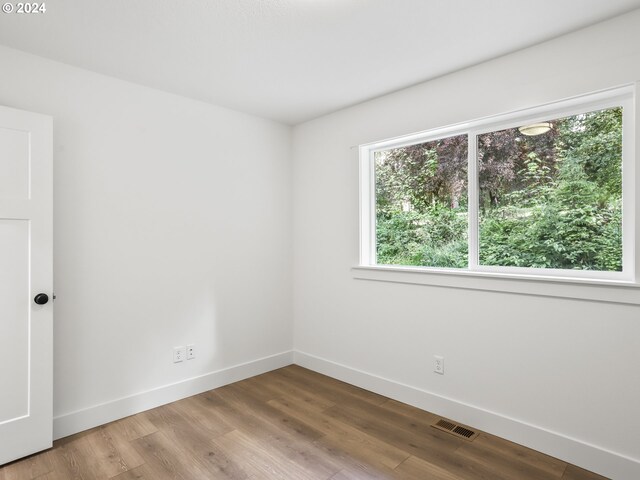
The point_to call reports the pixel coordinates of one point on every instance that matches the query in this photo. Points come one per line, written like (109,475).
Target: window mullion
(473,199)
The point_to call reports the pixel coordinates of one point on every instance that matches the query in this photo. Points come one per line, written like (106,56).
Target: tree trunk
(493,198)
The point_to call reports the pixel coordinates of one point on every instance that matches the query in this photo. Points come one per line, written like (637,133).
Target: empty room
(320,240)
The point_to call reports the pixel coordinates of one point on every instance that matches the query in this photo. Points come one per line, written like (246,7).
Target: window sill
(584,289)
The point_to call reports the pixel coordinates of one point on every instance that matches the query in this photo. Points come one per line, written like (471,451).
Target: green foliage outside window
(547,201)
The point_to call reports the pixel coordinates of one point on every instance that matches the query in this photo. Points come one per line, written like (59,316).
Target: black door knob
(41,298)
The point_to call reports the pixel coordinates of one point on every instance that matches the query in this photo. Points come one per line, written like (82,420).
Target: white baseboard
(87,418)
(571,450)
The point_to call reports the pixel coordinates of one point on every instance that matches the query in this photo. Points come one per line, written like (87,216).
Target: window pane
(421,204)
(551,194)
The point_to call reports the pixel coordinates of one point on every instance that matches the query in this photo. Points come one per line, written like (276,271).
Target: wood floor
(289,424)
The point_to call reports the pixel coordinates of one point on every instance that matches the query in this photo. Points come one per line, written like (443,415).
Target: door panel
(14,327)
(14,163)
(26,269)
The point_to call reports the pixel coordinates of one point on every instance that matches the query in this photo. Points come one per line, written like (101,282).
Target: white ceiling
(291,60)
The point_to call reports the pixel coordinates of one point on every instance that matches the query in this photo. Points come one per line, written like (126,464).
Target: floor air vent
(454,429)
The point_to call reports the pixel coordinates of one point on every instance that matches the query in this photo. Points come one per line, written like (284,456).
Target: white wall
(560,375)
(172,226)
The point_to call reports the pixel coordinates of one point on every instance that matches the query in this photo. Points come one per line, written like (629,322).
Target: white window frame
(618,97)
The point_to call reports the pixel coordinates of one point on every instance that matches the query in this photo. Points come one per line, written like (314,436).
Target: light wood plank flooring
(289,424)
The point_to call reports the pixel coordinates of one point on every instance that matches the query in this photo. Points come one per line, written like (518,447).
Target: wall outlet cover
(179,354)
(438,364)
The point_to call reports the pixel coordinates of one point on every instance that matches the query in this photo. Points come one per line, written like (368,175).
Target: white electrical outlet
(438,364)
(191,351)
(179,354)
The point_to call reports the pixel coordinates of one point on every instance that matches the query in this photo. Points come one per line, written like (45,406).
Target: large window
(538,192)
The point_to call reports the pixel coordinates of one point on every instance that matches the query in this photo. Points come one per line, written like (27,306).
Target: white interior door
(26,270)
